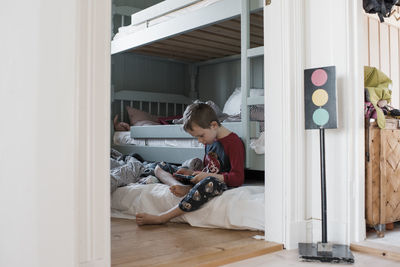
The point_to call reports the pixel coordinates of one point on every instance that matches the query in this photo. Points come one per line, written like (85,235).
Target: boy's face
(204,135)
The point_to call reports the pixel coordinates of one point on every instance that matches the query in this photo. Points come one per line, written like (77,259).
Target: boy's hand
(199,176)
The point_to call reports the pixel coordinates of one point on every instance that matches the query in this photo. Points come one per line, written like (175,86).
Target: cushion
(136,115)
(232,105)
(169,119)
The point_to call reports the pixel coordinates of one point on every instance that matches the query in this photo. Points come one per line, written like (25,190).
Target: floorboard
(176,244)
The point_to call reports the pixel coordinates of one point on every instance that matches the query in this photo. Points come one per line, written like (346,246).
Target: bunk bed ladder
(246,54)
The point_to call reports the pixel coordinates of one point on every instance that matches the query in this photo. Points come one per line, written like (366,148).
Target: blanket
(124,170)
(238,208)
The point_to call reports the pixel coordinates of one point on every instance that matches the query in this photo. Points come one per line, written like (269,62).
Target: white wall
(309,34)
(43,72)
(37,112)
(327,42)
(383,44)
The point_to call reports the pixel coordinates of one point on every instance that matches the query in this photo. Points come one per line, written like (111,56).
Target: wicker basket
(382,172)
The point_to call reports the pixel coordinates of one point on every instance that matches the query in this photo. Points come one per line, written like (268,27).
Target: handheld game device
(184,177)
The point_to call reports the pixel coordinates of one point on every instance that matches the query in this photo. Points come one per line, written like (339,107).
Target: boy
(223,161)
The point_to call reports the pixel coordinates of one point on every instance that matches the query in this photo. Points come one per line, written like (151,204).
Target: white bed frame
(219,11)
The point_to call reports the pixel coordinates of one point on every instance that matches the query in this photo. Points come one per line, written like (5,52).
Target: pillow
(169,119)
(136,115)
(232,105)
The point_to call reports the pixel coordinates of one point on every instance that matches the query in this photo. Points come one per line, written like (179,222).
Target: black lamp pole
(323,183)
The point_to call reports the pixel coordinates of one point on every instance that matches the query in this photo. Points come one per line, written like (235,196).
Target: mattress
(126,30)
(124,138)
(238,208)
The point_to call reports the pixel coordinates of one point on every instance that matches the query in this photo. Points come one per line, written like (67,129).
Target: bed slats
(211,42)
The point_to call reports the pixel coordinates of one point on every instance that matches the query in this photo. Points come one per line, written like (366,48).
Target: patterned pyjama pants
(202,192)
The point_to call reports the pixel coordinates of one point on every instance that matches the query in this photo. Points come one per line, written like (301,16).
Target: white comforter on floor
(239,208)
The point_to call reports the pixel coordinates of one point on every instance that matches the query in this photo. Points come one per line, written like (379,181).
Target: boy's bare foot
(180,190)
(145,218)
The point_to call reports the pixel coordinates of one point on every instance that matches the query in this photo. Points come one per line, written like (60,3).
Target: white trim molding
(356,51)
(284,109)
(92,117)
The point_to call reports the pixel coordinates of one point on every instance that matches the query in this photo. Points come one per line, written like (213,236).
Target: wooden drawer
(382,173)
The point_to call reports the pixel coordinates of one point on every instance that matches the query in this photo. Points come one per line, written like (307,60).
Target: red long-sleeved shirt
(226,156)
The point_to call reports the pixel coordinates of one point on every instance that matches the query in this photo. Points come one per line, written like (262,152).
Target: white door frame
(92,146)
(356,52)
(284,153)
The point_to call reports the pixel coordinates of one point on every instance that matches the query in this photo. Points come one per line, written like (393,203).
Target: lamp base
(325,252)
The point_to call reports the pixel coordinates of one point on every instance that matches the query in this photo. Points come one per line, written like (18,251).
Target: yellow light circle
(320,97)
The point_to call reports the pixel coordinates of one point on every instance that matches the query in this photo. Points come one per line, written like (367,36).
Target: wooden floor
(376,249)
(387,247)
(182,245)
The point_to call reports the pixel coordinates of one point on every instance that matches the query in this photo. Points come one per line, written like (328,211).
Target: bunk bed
(196,32)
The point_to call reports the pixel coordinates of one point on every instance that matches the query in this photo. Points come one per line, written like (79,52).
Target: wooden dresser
(382,174)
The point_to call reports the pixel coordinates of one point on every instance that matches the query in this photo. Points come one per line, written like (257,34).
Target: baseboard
(298,233)
(336,232)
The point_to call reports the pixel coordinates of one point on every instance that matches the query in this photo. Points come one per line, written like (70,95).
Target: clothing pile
(378,96)
(127,169)
(383,8)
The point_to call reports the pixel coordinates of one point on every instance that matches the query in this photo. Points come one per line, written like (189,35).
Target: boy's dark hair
(200,114)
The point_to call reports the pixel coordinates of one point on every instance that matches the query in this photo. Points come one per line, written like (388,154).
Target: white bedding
(239,208)
(124,138)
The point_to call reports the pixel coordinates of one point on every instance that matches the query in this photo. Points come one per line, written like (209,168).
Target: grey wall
(216,82)
(142,73)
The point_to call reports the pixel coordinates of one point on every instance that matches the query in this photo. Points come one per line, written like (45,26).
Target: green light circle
(320,116)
